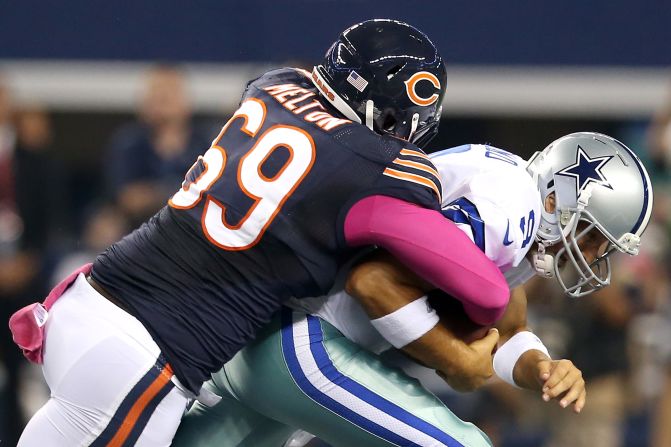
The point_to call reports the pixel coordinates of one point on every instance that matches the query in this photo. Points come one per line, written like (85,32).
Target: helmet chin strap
(544,262)
(413,125)
(369,114)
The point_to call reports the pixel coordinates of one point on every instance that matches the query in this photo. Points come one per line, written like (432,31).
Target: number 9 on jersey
(269,194)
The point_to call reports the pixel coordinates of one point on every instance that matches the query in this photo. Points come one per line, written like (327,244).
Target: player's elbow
(487,308)
(500,298)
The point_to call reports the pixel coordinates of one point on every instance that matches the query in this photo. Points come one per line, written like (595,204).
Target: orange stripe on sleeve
(136,410)
(416,165)
(415,179)
(414,154)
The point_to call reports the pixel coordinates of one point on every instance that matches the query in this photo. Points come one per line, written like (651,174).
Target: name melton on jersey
(321,118)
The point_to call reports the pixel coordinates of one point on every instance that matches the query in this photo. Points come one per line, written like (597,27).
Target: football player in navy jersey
(309,169)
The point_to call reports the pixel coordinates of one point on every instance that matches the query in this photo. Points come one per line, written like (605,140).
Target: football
(453,315)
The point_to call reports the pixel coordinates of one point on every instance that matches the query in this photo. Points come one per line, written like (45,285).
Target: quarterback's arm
(434,248)
(383,285)
(534,370)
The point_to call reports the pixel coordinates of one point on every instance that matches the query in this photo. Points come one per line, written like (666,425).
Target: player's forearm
(514,320)
(464,367)
(382,286)
(435,249)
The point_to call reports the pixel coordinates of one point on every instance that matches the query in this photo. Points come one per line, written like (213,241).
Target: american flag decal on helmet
(357,81)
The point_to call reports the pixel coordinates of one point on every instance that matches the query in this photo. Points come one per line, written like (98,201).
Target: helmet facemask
(577,275)
(416,132)
(426,131)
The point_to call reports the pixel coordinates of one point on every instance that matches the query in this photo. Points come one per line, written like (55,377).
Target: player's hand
(562,380)
(477,368)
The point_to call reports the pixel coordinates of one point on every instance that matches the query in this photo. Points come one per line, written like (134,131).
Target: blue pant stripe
(324,400)
(331,372)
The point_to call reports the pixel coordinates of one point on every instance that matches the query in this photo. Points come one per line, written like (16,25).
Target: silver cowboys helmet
(599,183)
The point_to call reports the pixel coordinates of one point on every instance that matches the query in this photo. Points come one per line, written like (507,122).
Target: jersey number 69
(269,194)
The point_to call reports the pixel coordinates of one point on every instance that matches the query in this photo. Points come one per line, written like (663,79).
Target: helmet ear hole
(389,122)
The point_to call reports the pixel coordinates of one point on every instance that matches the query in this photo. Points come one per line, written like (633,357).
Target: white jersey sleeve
(488,193)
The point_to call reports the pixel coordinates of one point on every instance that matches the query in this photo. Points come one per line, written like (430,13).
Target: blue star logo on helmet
(587,170)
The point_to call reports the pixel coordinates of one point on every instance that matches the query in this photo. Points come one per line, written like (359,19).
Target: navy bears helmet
(387,75)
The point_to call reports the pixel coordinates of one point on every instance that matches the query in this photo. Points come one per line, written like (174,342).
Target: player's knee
(78,417)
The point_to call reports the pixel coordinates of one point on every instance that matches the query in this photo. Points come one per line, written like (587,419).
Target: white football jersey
(488,193)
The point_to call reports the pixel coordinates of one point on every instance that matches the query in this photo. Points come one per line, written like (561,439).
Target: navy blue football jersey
(258,219)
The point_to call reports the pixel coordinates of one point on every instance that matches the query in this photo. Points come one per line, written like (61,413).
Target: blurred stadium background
(104,104)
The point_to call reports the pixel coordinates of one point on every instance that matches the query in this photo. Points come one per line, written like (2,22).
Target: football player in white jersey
(561,214)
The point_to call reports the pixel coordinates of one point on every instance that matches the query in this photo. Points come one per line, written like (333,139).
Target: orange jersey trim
(414,178)
(417,165)
(415,154)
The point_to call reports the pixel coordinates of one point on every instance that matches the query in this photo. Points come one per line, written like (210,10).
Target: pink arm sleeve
(435,249)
